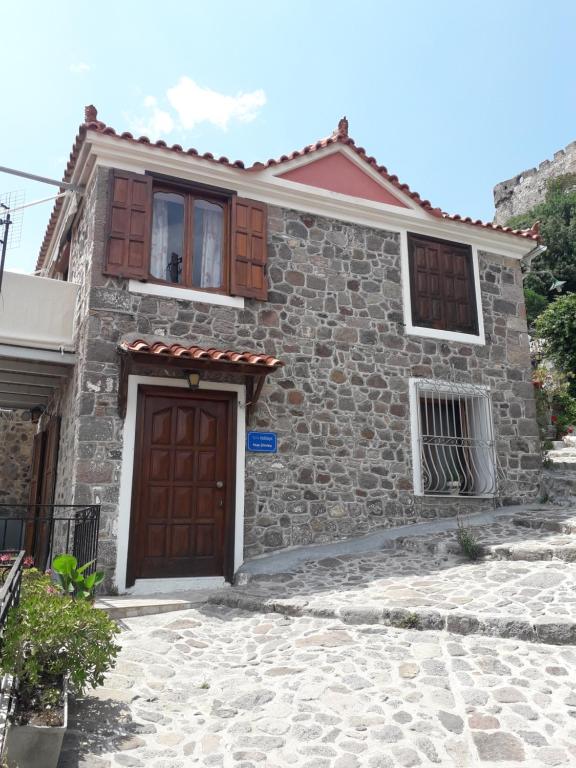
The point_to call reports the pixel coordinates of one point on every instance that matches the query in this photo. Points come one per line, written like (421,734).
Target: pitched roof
(338,137)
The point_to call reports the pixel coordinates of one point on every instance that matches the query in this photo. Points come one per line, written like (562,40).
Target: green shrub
(49,637)
(535,305)
(469,545)
(72,580)
(556,329)
(557,217)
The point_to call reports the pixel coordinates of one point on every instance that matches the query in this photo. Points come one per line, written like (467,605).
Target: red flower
(554,419)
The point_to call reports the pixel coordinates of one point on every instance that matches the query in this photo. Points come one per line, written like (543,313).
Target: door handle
(219,484)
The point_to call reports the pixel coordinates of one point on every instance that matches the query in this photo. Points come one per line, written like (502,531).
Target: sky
(453,97)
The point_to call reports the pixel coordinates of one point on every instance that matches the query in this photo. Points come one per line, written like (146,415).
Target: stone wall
(524,191)
(340,404)
(16,438)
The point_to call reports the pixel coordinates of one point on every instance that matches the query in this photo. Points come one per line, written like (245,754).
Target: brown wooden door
(183,485)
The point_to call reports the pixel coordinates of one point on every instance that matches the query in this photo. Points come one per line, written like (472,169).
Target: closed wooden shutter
(129,225)
(442,285)
(249,249)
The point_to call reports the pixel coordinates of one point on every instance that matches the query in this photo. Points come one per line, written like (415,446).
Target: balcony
(36,338)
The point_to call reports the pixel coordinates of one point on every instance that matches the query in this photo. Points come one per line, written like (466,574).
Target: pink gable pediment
(339,174)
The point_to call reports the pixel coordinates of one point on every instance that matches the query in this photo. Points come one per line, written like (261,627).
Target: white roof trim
(276,171)
(264,185)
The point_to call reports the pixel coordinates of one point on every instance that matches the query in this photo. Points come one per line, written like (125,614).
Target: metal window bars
(456,443)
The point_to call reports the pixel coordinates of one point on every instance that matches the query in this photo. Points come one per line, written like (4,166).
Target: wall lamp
(35,412)
(193,379)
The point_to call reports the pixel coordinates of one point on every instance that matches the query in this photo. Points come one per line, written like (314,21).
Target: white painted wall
(37,312)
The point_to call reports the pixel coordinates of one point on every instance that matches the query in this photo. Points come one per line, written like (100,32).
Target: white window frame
(433,333)
(168,291)
(418,385)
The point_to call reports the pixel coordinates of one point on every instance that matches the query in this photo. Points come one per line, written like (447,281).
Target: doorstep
(130,606)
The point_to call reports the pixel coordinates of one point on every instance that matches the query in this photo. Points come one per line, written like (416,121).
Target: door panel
(181,518)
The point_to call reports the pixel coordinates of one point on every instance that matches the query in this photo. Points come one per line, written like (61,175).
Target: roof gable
(339,139)
(338,173)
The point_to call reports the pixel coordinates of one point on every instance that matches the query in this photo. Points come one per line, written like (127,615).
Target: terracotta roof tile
(339,136)
(199,353)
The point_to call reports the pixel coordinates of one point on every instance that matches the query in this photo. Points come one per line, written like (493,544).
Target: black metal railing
(11,580)
(45,531)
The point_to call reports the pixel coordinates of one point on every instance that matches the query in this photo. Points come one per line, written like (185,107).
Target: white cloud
(80,68)
(158,122)
(192,104)
(195,105)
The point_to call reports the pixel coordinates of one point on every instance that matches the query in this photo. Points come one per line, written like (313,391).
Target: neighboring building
(521,193)
(314,297)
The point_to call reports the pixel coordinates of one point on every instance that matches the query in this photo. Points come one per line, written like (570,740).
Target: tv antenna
(12,206)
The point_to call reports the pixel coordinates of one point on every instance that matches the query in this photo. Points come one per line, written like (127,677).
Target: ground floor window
(453,439)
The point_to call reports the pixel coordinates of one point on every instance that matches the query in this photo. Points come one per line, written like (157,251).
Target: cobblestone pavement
(526,588)
(221,687)
(528,600)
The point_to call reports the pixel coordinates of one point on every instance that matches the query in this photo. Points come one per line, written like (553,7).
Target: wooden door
(182,521)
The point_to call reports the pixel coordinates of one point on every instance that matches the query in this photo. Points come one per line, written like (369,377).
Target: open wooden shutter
(37,464)
(442,285)
(50,461)
(129,225)
(249,249)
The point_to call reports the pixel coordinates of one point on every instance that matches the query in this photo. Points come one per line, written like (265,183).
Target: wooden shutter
(442,285)
(249,249)
(37,464)
(129,225)
(50,461)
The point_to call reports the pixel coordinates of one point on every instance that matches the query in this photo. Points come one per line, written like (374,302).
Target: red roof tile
(339,136)
(199,353)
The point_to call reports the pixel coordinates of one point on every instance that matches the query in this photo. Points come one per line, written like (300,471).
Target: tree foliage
(557,217)
(556,328)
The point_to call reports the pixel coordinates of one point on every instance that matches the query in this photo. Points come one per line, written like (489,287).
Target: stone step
(130,606)
(508,538)
(553,631)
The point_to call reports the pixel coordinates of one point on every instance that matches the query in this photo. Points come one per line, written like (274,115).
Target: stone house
(262,357)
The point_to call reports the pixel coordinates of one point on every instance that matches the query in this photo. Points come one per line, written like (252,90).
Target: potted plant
(53,643)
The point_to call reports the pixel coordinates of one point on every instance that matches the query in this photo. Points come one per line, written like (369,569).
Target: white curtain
(211,244)
(159,255)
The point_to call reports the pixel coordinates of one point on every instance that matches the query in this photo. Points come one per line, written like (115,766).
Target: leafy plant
(73,580)
(535,304)
(556,330)
(468,543)
(555,403)
(50,637)
(409,621)
(557,217)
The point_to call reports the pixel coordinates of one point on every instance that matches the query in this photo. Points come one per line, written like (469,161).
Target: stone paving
(526,588)
(215,686)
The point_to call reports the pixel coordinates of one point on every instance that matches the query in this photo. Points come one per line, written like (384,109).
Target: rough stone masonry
(522,192)
(340,405)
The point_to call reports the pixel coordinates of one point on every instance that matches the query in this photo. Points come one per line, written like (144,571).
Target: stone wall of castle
(524,191)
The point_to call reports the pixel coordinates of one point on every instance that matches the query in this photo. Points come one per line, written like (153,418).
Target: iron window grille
(453,439)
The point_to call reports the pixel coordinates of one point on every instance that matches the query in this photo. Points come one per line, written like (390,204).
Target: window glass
(208,244)
(167,237)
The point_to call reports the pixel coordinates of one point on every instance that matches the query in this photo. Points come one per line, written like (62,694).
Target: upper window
(197,239)
(442,289)
(188,240)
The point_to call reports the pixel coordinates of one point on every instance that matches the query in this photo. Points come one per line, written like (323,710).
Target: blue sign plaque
(262,442)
